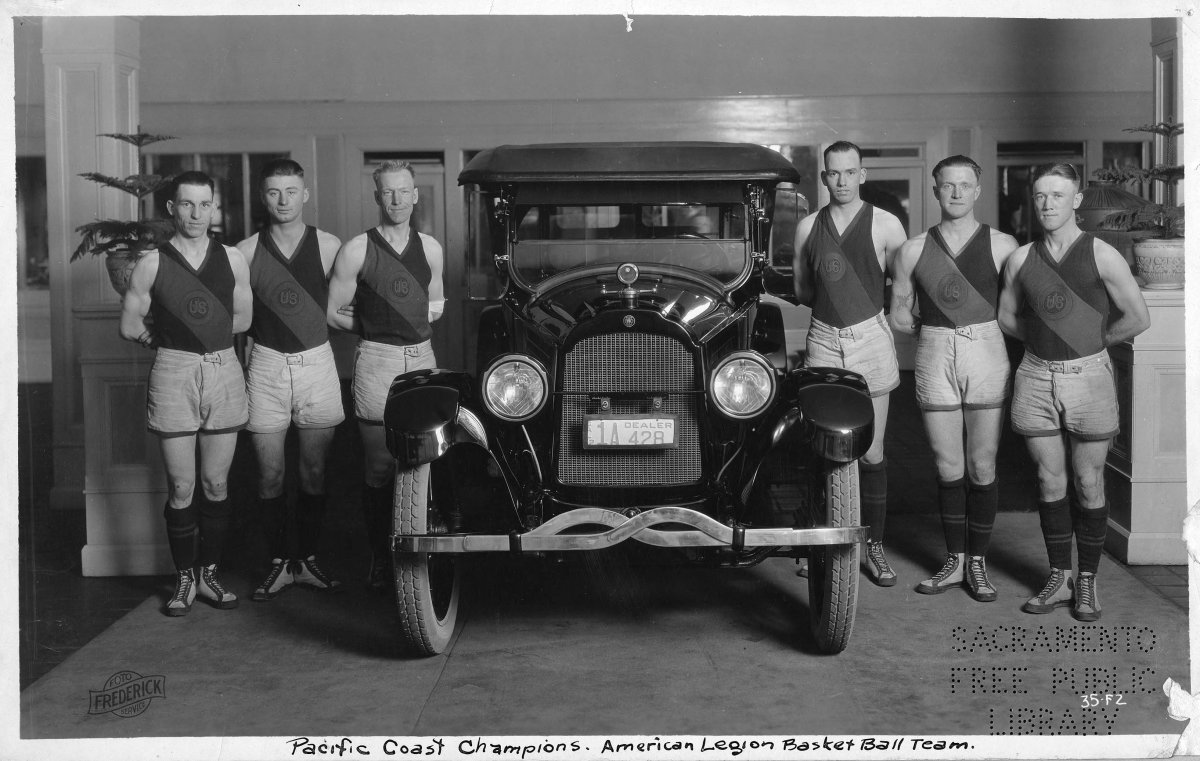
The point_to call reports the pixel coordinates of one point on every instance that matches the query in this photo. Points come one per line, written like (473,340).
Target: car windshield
(704,238)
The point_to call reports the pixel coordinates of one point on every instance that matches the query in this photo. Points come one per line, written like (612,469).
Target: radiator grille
(629,363)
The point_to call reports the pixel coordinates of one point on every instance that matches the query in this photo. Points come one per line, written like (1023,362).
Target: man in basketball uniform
(292,377)
(961,366)
(196,294)
(844,252)
(387,287)
(1057,297)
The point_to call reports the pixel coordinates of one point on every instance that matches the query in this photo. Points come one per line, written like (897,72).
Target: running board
(704,532)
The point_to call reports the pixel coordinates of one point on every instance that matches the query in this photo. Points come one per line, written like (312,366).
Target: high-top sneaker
(877,565)
(949,577)
(1087,602)
(211,590)
(1056,593)
(278,580)
(979,585)
(185,594)
(309,574)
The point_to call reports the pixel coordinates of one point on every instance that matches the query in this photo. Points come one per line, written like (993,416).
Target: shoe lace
(1053,582)
(211,581)
(276,571)
(1085,591)
(875,552)
(979,577)
(182,587)
(314,569)
(950,567)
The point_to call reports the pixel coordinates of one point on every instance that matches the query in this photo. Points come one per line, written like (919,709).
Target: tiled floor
(60,611)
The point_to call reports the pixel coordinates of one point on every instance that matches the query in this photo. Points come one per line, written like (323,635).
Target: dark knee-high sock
(310,509)
(181,535)
(1091,526)
(952,502)
(273,514)
(377,513)
(1056,531)
(873,488)
(214,526)
(982,501)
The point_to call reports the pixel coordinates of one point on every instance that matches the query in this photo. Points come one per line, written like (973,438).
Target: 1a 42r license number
(629,432)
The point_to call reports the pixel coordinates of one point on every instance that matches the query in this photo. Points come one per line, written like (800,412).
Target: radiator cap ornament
(628,273)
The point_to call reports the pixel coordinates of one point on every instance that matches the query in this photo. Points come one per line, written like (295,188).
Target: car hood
(684,298)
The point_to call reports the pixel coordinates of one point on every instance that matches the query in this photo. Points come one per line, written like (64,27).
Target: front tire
(833,569)
(427,586)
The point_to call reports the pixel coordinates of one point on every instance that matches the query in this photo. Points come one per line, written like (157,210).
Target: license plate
(629,432)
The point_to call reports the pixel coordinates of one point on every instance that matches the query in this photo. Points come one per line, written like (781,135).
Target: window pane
(33,248)
(228,224)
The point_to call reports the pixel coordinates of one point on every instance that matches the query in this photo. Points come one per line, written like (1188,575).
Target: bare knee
(1089,486)
(181,491)
(270,481)
(312,477)
(982,469)
(215,489)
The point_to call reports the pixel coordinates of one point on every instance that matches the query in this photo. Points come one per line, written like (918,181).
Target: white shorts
(298,388)
(963,367)
(192,393)
(376,365)
(866,348)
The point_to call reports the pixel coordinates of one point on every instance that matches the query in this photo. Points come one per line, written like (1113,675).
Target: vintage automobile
(633,382)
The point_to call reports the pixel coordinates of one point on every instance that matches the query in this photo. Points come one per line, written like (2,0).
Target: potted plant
(1158,249)
(123,242)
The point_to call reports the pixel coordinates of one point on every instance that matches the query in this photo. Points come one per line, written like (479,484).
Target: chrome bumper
(704,532)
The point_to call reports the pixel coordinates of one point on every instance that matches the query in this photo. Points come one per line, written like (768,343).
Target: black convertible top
(608,162)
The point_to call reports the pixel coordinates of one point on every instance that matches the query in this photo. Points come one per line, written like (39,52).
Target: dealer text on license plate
(629,432)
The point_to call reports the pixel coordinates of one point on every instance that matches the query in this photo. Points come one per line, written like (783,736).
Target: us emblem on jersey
(833,266)
(1055,302)
(198,307)
(951,291)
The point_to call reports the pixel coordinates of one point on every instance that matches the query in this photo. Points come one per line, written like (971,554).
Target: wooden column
(1146,479)
(104,460)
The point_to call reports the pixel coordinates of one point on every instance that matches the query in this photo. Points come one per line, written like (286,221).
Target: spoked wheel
(833,569)
(427,585)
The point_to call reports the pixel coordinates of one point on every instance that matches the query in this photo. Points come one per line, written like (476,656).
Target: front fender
(425,415)
(836,415)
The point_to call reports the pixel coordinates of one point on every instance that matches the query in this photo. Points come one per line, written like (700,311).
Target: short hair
(280,168)
(391,166)
(957,160)
(191,178)
(1062,169)
(841,146)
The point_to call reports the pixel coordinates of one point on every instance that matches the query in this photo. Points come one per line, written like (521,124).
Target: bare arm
(243,300)
(329,245)
(801,272)
(903,293)
(1125,294)
(435,257)
(343,284)
(1011,296)
(136,304)
(1003,246)
(889,237)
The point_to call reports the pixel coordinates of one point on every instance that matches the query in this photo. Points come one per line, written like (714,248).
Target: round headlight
(514,388)
(742,385)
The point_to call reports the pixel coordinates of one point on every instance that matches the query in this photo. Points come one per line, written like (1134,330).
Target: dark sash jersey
(847,277)
(955,291)
(1065,312)
(392,300)
(193,308)
(290,296)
